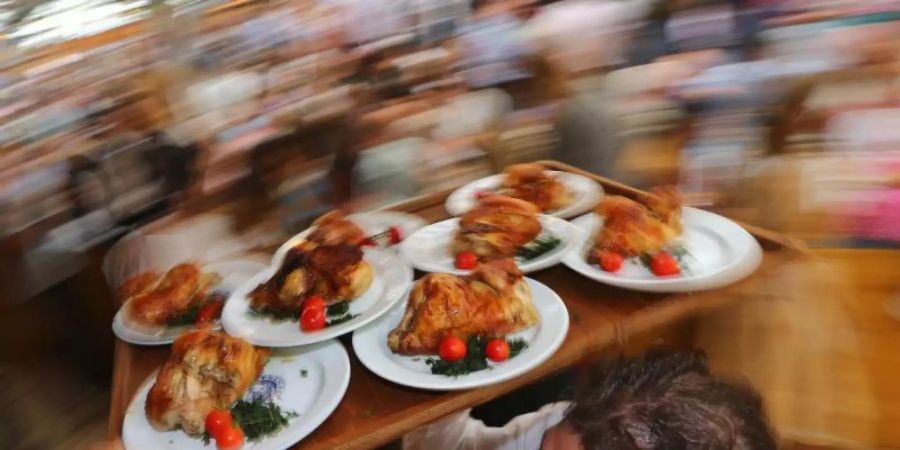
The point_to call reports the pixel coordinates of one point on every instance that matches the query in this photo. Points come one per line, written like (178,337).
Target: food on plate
(531,183)
(496,228)
(154,301)
(492,301)
(475,355)
(497,350)
(207,370)
(328,265)
(664,264)
(634,229)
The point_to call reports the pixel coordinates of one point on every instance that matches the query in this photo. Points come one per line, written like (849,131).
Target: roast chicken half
(492,301)
(154,301)
(328,264)
(632,229)
(497,227)
(531,183)
(207,370)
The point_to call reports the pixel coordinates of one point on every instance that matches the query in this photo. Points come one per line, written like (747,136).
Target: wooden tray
(375,412)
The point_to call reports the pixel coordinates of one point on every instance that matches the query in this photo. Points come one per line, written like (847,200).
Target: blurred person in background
(661,401)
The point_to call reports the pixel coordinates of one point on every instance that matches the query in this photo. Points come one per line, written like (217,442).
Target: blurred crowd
(778,111)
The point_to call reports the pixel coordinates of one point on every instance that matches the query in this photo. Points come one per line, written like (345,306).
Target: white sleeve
(461,432)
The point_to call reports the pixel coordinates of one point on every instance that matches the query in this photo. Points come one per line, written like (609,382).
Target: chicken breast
(492,301)
(207,370)
(531,183)
(497,227)
(180,289)
(633,229)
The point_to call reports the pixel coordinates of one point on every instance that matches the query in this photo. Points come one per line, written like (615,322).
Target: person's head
(662,402)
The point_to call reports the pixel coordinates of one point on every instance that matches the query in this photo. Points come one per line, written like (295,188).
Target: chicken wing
(492,301)
(180,289)
(497,227)
(207,370)
(632,229)
(529,182)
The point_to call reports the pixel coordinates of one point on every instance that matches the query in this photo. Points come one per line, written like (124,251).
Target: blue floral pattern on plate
(267,388)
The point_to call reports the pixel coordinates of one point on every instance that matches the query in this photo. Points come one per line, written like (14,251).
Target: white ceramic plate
(233,274)
(719,252)
(586,194)
(313,397)
(370,345)
(392,275)
(429,248)
(372,223)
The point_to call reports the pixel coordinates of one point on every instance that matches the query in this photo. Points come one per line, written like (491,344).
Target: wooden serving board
(603,318)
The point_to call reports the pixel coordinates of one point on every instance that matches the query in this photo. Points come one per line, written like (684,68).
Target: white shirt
(462,432)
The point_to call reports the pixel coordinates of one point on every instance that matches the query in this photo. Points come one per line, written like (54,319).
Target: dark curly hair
(667,402)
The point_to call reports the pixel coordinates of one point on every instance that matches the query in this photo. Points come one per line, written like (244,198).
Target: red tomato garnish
(312,319)
(452,349)
(230,439)
(395,235)
(367,242)
(314,301)
(209,313)
(466,260)
(218,421)
(610,261)
(663,264)
(497,350)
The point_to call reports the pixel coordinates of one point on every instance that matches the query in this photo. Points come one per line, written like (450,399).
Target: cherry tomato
(452,349)
(209,313)
(395,235)
(314,301)
(312,319)
(664,264)
(367,242)
(231,438)
(497,350)
(610,261)
(218,421)
(466,260)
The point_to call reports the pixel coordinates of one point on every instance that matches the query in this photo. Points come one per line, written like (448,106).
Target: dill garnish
(475,359)
(260,418)
(538,247)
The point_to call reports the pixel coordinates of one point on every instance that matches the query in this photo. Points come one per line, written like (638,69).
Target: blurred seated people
(491,46)
(659,401)
(580,40)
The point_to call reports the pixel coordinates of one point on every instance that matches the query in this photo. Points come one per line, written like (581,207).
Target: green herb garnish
(475,359)
(188,318)
(538,247)
(516,346)
(260,418)
(338,313)
(275,316)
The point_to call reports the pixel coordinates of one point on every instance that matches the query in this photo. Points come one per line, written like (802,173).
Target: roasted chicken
(207,370)
(531,183)
(497,227)
(492,301)
(153,301)
(329,264)
(632,229)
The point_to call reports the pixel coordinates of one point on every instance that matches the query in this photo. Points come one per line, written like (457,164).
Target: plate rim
(595,195)
(569,243)
(323,412)
(452,383)
(324,335)
(734,271)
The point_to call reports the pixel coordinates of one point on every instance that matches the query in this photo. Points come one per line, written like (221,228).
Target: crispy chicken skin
(207,370)
(179,289)
(330,264)
(137,284)
(333,229)
(492,301)
(531,183)
(497,227)
(633,229)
